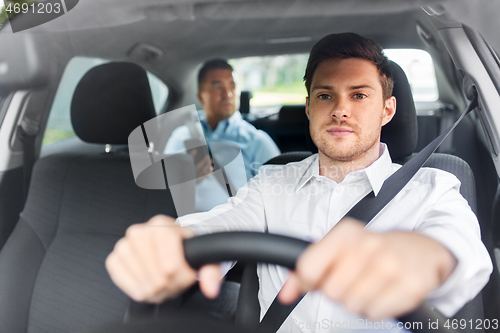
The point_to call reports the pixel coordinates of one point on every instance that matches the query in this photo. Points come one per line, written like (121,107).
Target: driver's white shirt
(294,200)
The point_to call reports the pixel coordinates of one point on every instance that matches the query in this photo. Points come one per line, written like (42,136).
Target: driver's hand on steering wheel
(148,263)
(378,275)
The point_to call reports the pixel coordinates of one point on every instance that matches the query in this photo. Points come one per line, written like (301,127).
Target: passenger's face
(346,109)
(218,95)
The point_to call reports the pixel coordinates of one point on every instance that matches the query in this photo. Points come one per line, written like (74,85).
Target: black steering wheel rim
(250,247)
(244,246)
(278,250)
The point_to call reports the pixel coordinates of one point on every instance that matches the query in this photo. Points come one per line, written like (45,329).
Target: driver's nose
(340,109)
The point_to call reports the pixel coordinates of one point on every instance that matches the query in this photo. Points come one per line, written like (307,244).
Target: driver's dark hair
(209,65)
(350,45)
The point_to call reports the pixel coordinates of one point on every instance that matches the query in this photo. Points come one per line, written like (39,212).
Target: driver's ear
(389,110)
(307,107)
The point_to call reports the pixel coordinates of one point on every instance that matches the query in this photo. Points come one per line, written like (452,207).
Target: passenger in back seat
(222,122)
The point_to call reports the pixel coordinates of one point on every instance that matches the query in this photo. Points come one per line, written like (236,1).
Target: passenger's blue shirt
(256,146)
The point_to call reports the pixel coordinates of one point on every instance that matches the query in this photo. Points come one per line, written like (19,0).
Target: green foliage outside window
(3,16)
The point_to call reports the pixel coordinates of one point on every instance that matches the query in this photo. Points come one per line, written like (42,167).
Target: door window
(59,124)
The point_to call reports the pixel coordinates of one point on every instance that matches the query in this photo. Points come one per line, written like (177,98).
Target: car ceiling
(191,31)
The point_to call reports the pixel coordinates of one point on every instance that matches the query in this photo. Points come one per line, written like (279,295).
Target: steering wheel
(249,247)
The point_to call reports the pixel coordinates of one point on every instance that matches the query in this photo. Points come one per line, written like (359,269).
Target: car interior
(106,67)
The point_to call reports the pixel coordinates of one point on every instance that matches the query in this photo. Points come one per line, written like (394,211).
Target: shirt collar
(376,173)
(379,170)
(222,125)
(235,117)
(311,170)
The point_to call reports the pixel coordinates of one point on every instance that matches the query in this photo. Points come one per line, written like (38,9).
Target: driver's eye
(324,96)
(359,96)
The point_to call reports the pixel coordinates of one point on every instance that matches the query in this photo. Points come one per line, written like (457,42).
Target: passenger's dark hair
(350,45)
(212,64)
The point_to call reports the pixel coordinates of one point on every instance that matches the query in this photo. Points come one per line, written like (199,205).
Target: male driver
(425,244)
(219,96)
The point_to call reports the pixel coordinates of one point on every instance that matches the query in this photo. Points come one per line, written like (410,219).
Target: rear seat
(287,128)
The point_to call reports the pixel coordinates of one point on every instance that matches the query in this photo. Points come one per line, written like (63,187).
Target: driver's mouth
(339,131)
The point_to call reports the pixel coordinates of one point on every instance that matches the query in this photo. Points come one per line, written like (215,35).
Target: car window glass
(419,69)
(3,16)
(59,124)
(278,80)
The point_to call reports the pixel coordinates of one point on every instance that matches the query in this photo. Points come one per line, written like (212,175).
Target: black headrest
(245,97)
(110,101)
(401,133)
(292,114)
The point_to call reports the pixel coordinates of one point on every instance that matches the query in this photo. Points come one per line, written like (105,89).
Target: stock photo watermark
(24,15)
(365,324)
(358,324)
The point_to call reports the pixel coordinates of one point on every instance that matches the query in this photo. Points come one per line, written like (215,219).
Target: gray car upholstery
(52,274)
(110,101)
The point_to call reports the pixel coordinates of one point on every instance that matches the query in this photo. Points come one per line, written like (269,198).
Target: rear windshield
(278,80)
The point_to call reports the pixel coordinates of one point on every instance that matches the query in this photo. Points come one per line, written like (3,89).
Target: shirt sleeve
(451,222)
(244,212)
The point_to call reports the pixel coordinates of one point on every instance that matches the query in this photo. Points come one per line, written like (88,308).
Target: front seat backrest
(52,274)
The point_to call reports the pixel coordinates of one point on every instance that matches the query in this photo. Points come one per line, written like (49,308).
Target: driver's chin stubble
(342,152)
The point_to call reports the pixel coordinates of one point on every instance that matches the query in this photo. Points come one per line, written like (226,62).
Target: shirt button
(215,136)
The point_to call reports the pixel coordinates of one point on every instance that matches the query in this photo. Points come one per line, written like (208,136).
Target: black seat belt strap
(28,131)
(365,210)
(370,205)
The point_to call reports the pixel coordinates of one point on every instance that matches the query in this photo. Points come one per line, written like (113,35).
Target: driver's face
(346,109)
(218,95)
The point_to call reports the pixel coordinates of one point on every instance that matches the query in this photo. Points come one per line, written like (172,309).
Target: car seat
(52,274)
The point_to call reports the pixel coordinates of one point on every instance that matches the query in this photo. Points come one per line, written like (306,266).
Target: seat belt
(28,131)
(365,210)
